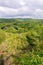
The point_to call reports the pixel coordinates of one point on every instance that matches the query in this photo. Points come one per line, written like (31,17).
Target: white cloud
(8,11)
(21,8)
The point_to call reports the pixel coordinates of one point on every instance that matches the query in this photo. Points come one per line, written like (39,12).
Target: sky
(21,8)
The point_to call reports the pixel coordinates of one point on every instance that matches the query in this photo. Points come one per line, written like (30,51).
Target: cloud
(21,8)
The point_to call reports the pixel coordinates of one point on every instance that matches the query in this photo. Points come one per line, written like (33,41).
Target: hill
(21,41)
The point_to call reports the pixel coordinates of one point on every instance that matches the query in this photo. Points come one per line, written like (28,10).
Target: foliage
(21,41)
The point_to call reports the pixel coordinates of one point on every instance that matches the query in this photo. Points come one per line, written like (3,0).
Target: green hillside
(21,41)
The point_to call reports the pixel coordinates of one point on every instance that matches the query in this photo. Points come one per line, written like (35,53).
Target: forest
(21,41)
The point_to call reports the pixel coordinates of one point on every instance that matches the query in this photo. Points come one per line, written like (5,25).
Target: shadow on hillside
(1,60)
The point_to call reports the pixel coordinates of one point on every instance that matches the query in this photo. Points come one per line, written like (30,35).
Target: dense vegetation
(21,41)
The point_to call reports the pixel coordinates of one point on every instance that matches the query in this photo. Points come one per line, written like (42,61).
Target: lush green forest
(21,41)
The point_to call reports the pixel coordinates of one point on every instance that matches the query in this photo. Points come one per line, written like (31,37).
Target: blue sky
(21,8)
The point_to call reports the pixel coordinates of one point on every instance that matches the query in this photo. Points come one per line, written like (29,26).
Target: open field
(21,41)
